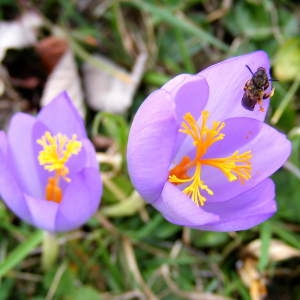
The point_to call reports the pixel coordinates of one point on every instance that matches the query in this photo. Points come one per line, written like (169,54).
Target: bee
(255,89)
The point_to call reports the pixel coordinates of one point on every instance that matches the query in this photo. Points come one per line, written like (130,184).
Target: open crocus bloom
(49,175)
(202,159)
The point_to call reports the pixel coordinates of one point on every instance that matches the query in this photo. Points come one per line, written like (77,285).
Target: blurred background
(109,55)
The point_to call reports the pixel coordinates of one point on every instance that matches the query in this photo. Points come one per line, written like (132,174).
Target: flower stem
(50,249)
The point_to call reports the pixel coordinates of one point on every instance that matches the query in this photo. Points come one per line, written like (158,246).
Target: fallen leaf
(278,250)
(252,278)
(109,87)
(248,266)
(64,77)
(51,49)
(20,33)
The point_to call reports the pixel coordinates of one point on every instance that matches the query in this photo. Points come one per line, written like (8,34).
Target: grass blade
(18,254)
(179,23)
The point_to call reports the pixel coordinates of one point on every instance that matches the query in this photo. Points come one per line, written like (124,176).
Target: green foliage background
(127,250)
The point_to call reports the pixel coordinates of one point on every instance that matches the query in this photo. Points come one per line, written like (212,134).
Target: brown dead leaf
(252,278)
(51,49)
(248,267)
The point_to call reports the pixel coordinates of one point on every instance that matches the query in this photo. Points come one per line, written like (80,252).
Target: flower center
(235,167)
(56,152)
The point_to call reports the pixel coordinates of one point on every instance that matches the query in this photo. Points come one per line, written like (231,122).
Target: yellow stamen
(235,167)
(56,152)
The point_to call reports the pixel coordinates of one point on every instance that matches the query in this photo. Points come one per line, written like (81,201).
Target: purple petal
(43,212)
(151,144)
(175,82)
(3,143)
(26,162)
(179,209)
(81,200)
(252,207)
(9,188)
(190,95)
(270,150)
(238,132)
(226,81)
(90,155)
(60,116)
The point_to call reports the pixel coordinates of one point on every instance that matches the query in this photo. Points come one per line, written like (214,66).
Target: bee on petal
(255,89)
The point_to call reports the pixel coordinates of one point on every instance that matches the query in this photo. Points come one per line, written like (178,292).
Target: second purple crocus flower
(49,175)
(199,157)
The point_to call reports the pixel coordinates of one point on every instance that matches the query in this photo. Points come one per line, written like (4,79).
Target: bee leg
(260,103)
(269,95)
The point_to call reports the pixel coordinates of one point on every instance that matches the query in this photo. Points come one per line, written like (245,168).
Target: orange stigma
(56,152)
(235,167)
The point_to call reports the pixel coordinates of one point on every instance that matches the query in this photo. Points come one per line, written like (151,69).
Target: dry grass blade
(134,269)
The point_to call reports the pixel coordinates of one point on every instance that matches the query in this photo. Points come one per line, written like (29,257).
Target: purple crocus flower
(49,175)
(202,159)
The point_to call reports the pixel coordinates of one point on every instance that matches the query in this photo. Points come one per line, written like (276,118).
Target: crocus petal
(3,143)
(238,132)
(226,81)
(60,116)
(252,207)
(151,144)
(270,150)
(24,158)
(190,96)
(10,190)
(81,200)
(177,208)
(90,155)
(175,82)
(43,213)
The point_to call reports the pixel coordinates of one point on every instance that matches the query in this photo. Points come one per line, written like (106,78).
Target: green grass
(128,251)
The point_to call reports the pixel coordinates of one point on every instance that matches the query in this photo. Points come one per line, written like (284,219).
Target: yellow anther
(202,136)
(235,167)
(196,184)
(56,152)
